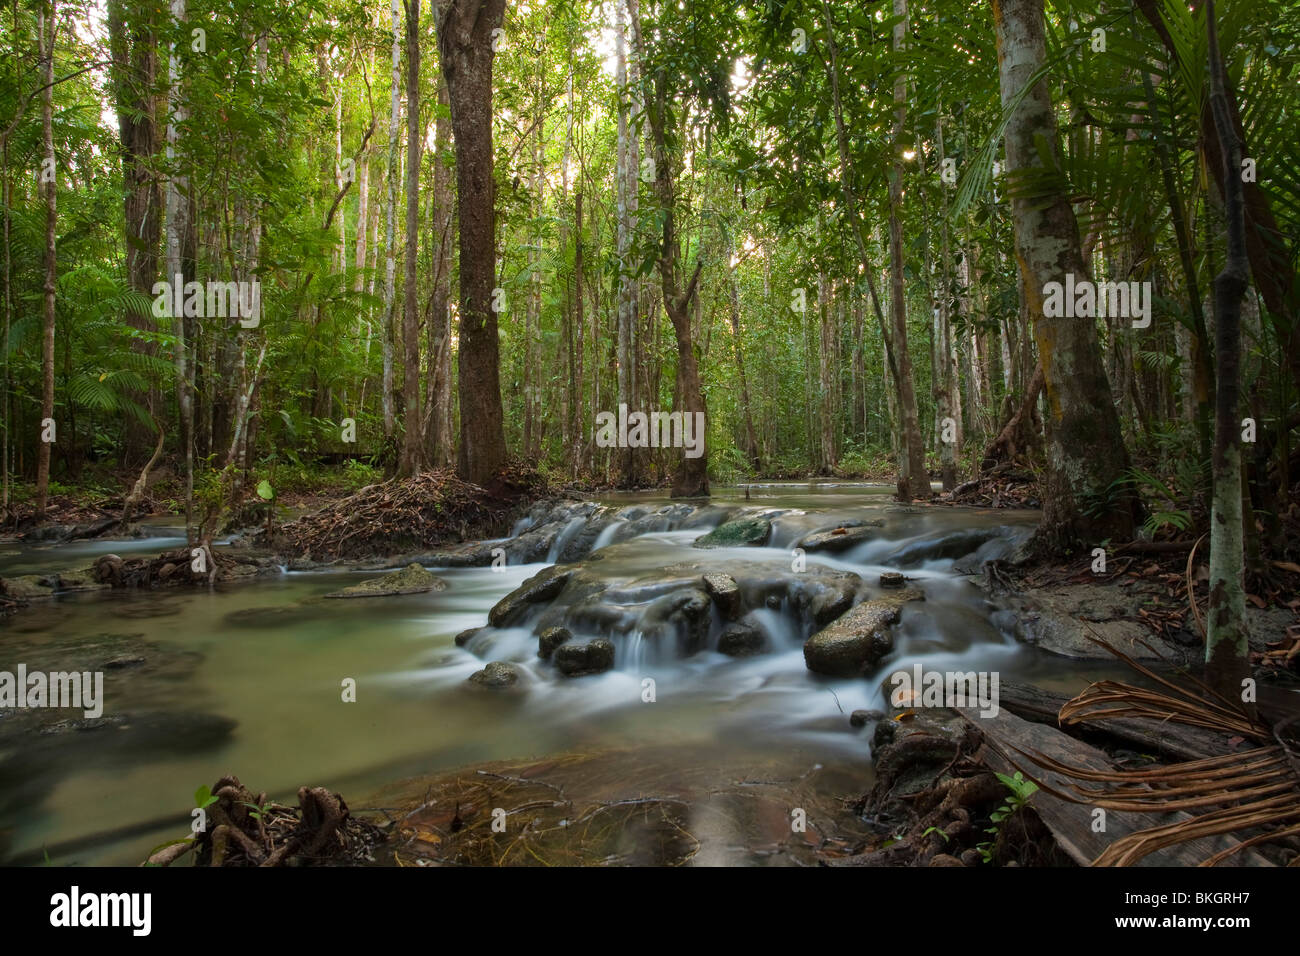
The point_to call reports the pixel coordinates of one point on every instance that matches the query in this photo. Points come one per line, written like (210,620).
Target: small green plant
(941,833)
(204,798)
(1019,791)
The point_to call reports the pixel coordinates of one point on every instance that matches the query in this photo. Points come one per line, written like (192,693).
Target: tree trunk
(465,41)
(50,189)
(751,440)
(626,192)
(413,457)
(1086,454)
(390,230)
(438,411)
(1227,650)
(578,322)
(913,482)
(133,73)
(825,370)
(692,476)
(180,263)
(363,208)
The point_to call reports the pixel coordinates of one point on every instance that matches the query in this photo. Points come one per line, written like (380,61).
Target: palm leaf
(1256,789)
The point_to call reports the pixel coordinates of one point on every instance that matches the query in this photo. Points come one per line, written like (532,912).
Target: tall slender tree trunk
(913,482)
(578,381)
(858,389)
(751,439)
(692,476)
(49,187)
(180,262)
(626,197)
(945,402)
(533,309)
(363,209)
(438,410)
(825,370)
(1227,649)
(389,333)
(465,42)
(1086,453)
(413,457)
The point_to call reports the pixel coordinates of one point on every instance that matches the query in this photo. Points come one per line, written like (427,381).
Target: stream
(246,679)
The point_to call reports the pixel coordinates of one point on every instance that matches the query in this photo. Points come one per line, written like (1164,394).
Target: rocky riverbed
(760,630)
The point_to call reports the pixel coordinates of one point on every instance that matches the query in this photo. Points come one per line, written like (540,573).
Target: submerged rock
(954,545)
(593,657)
(496,675)
(846,536)
(743,532)
(856,642)
(412,579)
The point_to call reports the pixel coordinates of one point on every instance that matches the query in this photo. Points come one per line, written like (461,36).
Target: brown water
(247,680)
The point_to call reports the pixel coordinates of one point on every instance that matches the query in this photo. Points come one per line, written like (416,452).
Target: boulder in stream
(742,638)
(841,538)
(550,638)
(465,636)
(752,532)
(412,579)
(497,675)
(856,642)
(541,587)
(724,591)
(593,657)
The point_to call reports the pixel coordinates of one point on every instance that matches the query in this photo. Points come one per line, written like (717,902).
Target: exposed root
(243,829)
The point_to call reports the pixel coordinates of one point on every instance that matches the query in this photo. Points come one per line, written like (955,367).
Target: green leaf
(264,490)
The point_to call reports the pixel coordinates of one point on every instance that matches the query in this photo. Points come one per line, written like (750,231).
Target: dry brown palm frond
(1255,792)
(1198,706)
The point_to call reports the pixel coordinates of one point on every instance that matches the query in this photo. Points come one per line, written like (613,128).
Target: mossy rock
(741,533)
(412,579)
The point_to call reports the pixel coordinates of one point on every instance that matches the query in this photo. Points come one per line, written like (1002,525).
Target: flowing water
(247,679)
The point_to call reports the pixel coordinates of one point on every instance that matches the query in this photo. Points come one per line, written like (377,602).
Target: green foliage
(204,798)
(1019,790)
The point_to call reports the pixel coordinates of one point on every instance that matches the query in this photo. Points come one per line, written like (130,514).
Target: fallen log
(1006,735)
(1175,741)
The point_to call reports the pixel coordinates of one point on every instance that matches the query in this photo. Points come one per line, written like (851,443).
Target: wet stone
(551,638)
(496,675)
(574,660)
